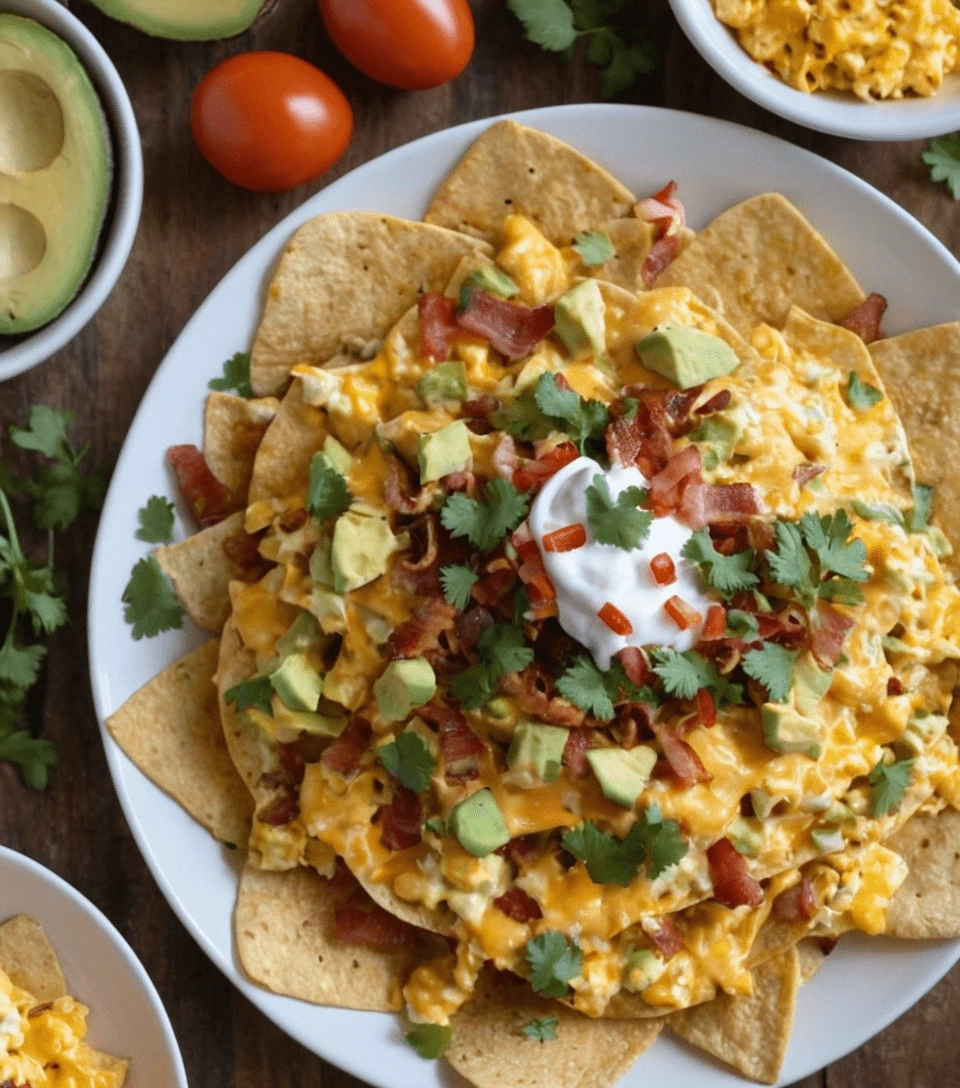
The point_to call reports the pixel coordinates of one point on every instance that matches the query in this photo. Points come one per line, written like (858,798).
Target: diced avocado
(838,813)
(828,841)
(784,730)
(538,749)
(685,356)
(300,635)
(185,20)
(317,725)
(321,566)
(579,316)
(939,545)
(746,835)
(378,628)
(490,278)
(330,608)
(361,548)
(810,684)
(444,451)
(762,803)
(622,773)
(643,967)
(297,682)
(338,455)
(922,730)
(444,384)
(478,824)
(402,687)
(720,434)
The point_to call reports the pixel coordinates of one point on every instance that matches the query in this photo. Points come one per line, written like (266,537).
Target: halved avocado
(55,174)
(186,20)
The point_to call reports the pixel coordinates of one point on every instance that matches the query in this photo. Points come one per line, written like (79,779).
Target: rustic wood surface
(194,227)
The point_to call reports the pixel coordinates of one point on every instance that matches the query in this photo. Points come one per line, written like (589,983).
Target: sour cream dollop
(588,577)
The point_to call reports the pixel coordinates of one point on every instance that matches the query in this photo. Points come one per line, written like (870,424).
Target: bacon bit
(480,407)
(715,623)
(796,904)
(575,752)
(523,542)
(516,904)
(283,811)
(706,707)
(532,475)
(634,723)
(422,631)
(788,627)
(554,648)
(471,624)
(532,689)
(425,535)
(618,623)
(397,496)
(243,550)
(865,319)
(438,326)
(828,631)
(716,403)
(461,748)
(681,613)
(685,765)
(667,940)
(803,474)
(543,610)
(663,569)
(567,539)
(895,686)
(207,497)
(733,886)
(345,752)
(521,851)
(512,329)
(361,921)
(535,578)
(702,504)
(681,470)
(634,665)
(490,589)
(459,481)
(662,252)
(401,820)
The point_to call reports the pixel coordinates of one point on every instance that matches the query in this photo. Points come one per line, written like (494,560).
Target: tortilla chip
(286,941)
(232,430)
(490,1049)
(236,663)
(748,1033)
(341,282)
(920,371)
(757,259)
(811,957)
(927,904)
(282,464)
(29,959)
(107,1063)
(201,572)
(171,730)
(515,169)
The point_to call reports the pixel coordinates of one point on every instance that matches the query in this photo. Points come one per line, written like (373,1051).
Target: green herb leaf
(619,522)
(772,666)
(592,689)
(329,495)
(60,491)
(437,826)
(236,376)
(684,674)
(861,396)
(156,520)
(625,62)
(485,522)
(523,419)
(46,432)
(877,511)
(474,687)
(665,844)
(547,23)
(789,564)
(408,759)
(542,1031)
(727,573)
(584,420)
(457,582)
(503,649)
(37,593)
(430,1040)
(741,624)
(842,591)
(554,961)
(36,758)
(943,158)
(827,535)
(152,604)
(609,860)
(254,692)
(919,517)
(594,247)
(20,665)
(890,782)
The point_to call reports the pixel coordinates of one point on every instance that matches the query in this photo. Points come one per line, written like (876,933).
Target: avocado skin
(197,23)
(685,356)
(622,774)
(478,824)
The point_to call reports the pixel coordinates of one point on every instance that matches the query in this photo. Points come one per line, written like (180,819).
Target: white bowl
(126,1015)
(834,113)
(123,214)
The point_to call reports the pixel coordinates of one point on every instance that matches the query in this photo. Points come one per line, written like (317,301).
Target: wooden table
(194,227)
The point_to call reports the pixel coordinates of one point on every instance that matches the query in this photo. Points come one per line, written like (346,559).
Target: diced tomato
(543,610)
(401,821)
(480,407)
(535,578)
(715,624)
(865,319)
(566,539)
(512,329)
(681,613)
(575,752)
(667,939)
(438,326)
(361,921)
(661,254)
(634,665)
(796,904)
(516,904)
(732,884)
(618,623)
(684,763)
(706,707)
(663,569)
(345,752)
(207,497)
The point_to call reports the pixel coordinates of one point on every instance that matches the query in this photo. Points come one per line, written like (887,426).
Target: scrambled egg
(875,48)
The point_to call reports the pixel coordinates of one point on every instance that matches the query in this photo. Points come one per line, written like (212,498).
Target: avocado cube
(362,546)
(643,967)
(538,749)
(478,824)
(622,774)
(762,803)
(579,316)
(490,278)
(402,687)
(444,451)
(686,356)
(303,633)
(784,730)
(810,684)
(297,683)
(338,455)
(746,835)
(922,730)
(317,725)
(828,841)
(444,384)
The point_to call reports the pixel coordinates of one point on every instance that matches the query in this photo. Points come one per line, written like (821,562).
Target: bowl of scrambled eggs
(864,69)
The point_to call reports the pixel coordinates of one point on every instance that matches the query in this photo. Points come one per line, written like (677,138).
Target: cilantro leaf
(943,158)
(547,23)
(890,782)
(919,517)
(503,649)
(619,522)
(408,759)
(583,420)
(877,511)
(827,535)
(542,1031)
(684,674)
(841,590)
(622,62)
(254,692)
(430,1040)
(860,395)
(609,860)
(554,961)
(772,666)
(592,689)
(741,624)
(474,687)
(236,376)
(156,520)
(36,592)
(665,844)
(457,581)
(485,522)
(727,573)
(523,419)
(20,665)
(60,491)
(789,564)
(152,604)
(36,758)
(329,495)
(46,432)
(594,247)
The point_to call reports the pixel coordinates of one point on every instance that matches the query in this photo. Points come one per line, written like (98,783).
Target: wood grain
(194,227)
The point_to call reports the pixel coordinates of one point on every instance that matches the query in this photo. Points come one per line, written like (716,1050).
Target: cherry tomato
(413,44)
(269,121)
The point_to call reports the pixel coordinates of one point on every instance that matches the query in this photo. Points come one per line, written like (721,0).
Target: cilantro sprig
(584,420)
(860,395)
(457,581)
(728,574)
(619,521)
(152,605)
(409,760)
(236,376)
(254,692)
(943,158)
(485,522)
(430,1040)
(772,665)
(890,782)
(554,963)
(328,495)
(156,520)
(503,649)
(815,558)
(684,674)
(542,1031)
(593,689)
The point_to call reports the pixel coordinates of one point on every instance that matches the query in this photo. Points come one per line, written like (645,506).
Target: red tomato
(413,44)
(269,121)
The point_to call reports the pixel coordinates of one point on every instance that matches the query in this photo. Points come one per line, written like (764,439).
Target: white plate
(826,111)
(126,1016)
(864,985)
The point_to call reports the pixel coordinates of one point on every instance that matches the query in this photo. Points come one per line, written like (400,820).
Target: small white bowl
(123,214)
(836,114)
(126,1016)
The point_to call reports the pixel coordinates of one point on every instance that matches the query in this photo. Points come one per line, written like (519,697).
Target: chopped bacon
(618,623)
(534,576)
(532,691)
(685,765)
(345,752)
(796,904)
(516,904)
(521,851)
(680,472)
(663,569)
(492,587)
(715,623)
(566,539)
(512,329)
(702,504)
(575,752)
(803,474)
(716,403)
(401,820)
(661,254)
(461,748)
(523,542)
(480,407)
(681,613)
(292,520)
(398,497)
(424,534)
(706,708)
(667,940)
(786,627)
(361,921)
(505,459)
(421,632)
(828,631)
(554,648)
(895,686)
(438,326)
(532,475)
(865,319)
(243,550)
(471,624)
(459,481)
(207,497)
(283,811)
(634,723)
(732,884)
(634,665)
